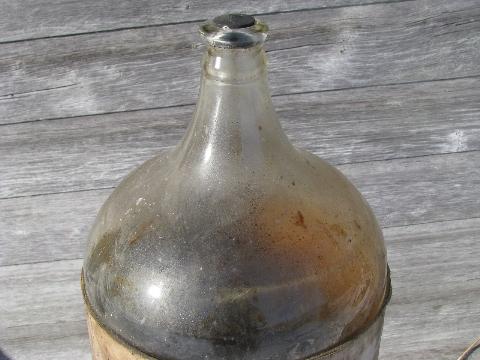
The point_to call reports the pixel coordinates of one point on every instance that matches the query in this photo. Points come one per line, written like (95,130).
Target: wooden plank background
(389,91)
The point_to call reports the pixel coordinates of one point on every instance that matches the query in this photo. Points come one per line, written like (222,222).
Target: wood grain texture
(344,126)
(309,51)
(401,192)
(433,313)
(434,310)
(42,312)
(33,19)
(387,90)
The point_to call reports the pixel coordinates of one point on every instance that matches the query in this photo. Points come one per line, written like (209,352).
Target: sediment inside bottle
(294,251)
(285,266)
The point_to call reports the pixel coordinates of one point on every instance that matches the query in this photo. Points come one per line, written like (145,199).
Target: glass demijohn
(235,244)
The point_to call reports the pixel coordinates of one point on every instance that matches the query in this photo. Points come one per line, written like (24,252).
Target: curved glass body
(235,244)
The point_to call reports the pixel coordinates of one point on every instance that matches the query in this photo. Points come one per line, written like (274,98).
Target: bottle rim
(234,31)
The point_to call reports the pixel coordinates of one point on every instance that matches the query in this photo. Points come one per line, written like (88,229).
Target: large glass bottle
(235,244)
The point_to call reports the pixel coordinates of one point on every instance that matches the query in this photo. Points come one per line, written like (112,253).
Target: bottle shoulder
(224,262)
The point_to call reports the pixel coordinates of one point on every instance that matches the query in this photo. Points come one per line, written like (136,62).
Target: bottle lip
(234,31)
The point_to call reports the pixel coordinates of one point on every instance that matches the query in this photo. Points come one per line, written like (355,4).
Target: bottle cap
(234,31)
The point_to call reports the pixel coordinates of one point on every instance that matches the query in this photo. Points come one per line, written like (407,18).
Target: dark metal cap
(234,21)
(233,31)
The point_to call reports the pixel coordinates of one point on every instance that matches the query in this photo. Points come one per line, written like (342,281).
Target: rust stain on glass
(235,244)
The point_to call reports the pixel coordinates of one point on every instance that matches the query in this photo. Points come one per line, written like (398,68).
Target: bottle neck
(234,120)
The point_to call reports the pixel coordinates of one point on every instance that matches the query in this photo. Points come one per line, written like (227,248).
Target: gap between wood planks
(200,20)
(475,76)
(383,228)
(401,192)
(102,92)
(336,164)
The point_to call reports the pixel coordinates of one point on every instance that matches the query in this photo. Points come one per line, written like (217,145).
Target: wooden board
(313,50)
(433,313)
(401,192)
(343,126)
(49,18)
(387,90)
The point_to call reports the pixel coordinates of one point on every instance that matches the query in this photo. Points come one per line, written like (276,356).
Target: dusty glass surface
(235,244)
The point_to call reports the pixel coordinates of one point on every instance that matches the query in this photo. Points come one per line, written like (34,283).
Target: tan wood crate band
(107,346)
(104,344)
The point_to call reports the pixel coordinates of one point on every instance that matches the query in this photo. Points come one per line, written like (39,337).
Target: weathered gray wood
(47,343)
(347,126)
(42,312)
(433,314)
(397,54)
(309,51)
(423,189)
(44,228)
(27,19)
(401,192)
